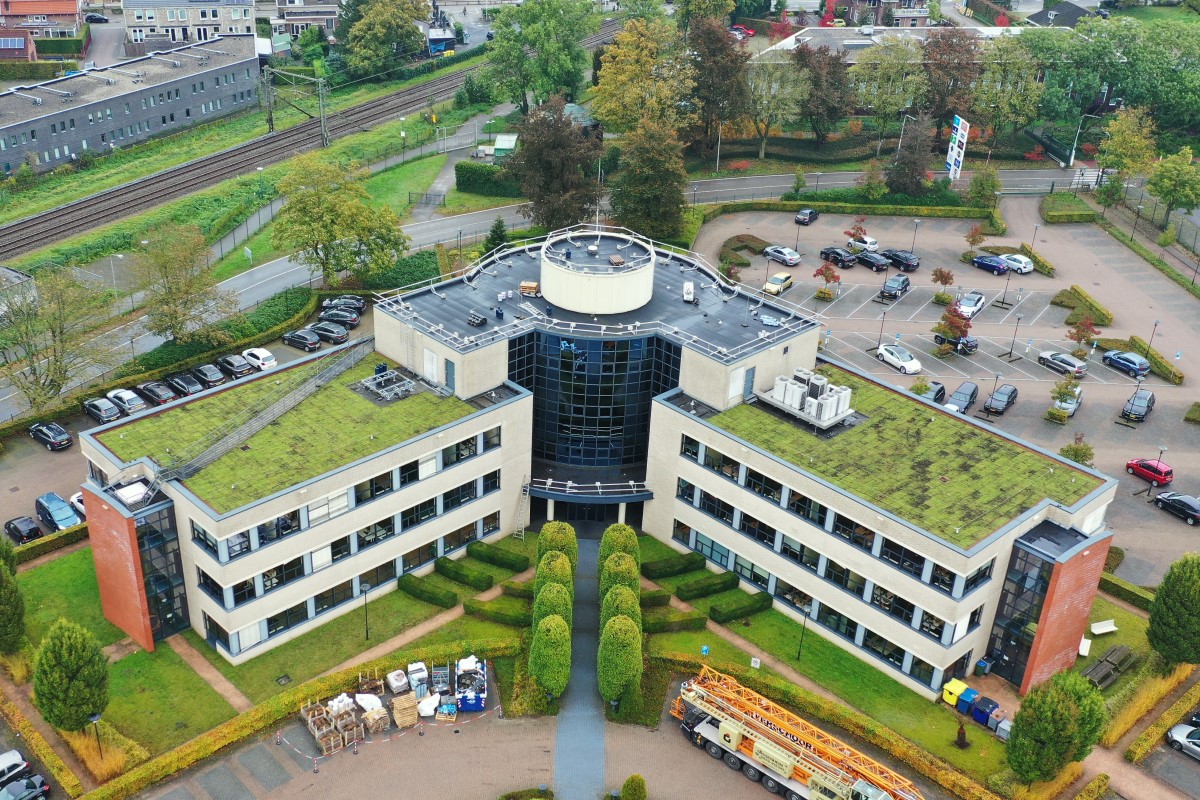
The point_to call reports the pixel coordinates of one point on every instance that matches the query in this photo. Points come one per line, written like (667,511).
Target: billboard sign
(958,147)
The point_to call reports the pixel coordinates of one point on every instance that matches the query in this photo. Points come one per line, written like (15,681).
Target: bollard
(279,737)
(316,769)
(355,747)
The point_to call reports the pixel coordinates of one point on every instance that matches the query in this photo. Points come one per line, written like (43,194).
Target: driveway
(1178,770)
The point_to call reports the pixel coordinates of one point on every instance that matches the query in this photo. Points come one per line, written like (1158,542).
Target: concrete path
(445,180)
(20,696)
(222,685)
(52,555)
(579,740)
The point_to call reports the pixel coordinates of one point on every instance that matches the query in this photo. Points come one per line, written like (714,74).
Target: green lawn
(466,628)
(954,480)
(267,462)
(1147,14)
(1067,201)
(235,262)
(1131,632)
(160,702)
(65,587)
(464,202)
(392,186)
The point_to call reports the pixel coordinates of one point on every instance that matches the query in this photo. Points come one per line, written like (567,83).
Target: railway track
(47,227)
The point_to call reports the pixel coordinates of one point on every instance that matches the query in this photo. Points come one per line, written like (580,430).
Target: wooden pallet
(404,710)
(377,720)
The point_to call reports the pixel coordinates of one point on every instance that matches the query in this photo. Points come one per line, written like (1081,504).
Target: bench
(1085,646)
(1105,626)
(1120,656)
(1101,674)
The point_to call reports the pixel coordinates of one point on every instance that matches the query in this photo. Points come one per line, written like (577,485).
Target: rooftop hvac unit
(689,292)
(817,386)
(810,406)
(803,376)
(843,397)
(793,394)
(778,393)
(826,406)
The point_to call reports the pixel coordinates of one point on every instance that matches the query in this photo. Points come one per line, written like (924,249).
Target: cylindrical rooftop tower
(597,271)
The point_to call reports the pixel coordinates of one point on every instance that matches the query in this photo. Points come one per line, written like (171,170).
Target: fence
(1150,209)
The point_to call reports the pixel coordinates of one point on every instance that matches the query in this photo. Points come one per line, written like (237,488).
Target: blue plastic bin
(982,710)
(966,700)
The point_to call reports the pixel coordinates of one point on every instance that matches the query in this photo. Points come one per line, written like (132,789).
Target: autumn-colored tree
(941,276)
(951,60)
(831,92)
(1175,181)
(974,236)
(954,324)
(827,273)
(1129,147)
(872,183)
(721,93)
(1083,332)
(647,73)
(858,230)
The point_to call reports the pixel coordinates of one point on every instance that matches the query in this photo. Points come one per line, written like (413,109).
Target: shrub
(62,47)
(620,599)
(670,620)
(1062,207)
(1124,590)
(1115,556)
(1095,789)
(672,565)
(729,610)
(1140,695)
(1158,365)
(422,589)
(553,599)
(489,180)
(1193,414)
(523,589)
(408,270)
(1082,305)
(524,794)
(120,753)
(619,570)
(550,655)
(554,567)
(709,584)
(34,70)
(655,598)
(498,556)
(504,613)
(561,537)
(619,659)
(1039,264)
(634,788)
(852,207)
(51,542)
(619,538)
(463,573)
(1056,415)
(1153,735)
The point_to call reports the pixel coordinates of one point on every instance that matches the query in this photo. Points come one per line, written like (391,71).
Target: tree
(327,219)
(12,613)
(830,93)
(510,64)
(1064,390)
(648,194)
(48,339)
(1079,451)
(1008,91)
(646,75)
(555,167)
(619,570)
(385,34)
(536,49)
(830,276)
(943,278)
(1110,191)
(951,60)
(954,324)
(1128,146)
(857,230)
(920,386)
(974,236)
(180,290)
(1083,332)
(778,95)
(8,555)
(550,655)
(871,183)
(1077,65)
(906,174)
(620,599)
(559,536)
(70,676)
(1175,181)
(619,658)
(1174,630)
(551,600)
(890,79)
(554,567)
(985,182)
(1091,714)
(619,538)
(1158,73)
(642,9)
(721,93)
(1059,722)
(688,11)
(634,788)
(497,236)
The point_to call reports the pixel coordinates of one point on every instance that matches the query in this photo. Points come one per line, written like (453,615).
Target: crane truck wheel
(771,785)
(793,796)
(752,772)
(732,761)
(714,750)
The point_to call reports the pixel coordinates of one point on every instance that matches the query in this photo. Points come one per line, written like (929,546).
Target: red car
(742,29)
(1153,470)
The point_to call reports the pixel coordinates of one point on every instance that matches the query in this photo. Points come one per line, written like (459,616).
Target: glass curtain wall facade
(162,569)
(1015,628)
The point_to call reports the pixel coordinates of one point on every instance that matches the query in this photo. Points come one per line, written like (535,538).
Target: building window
(283,574)
(376,487)
(711,550)
(720,463)
(243,592)
(339,548)
(845,577)
(287,619)
(210,587)
(690,448)
(459,538)
(898,607)
(717,507)
(761,484)
(491,523)
(921,672)
(809,509)
(685,490)
(932,626)
(491,438)
(334,597)
(942,579)
(491,481)
(976,618)
(409,473)
(279,527)
(750,572)
(757,530)
(422,555)
(458,496)
(203,538)
(852,532)
(380,575)
(979,576)
(417,514)
(793,596)
(908,560)
(838,623)
(681,533)
(802,554)
(883,648)
(376,532)
(215,633)
(458,452)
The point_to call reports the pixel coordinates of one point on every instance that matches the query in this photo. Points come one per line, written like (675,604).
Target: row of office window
(339,502)
(862,537)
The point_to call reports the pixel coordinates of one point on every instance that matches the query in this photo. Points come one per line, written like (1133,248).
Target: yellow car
(838,23)
(778,283)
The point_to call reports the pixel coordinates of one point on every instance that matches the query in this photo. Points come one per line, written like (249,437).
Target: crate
(330,743)
(354,733)
(404,710)
(370,683)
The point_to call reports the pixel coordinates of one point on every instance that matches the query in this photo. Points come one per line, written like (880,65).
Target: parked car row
(17,781)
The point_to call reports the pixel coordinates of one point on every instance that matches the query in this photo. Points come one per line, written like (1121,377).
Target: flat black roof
(1051,539)
(728,321)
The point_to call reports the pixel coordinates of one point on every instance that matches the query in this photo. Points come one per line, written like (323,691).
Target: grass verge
(392,187)
(65,587)
(235,261)
(465,202)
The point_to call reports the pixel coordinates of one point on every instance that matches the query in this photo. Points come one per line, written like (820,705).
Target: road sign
(958,147)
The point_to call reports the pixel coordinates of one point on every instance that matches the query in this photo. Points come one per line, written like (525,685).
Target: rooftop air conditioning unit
(793,394)
(778,393)
(817,386)
(803,376)
(810,406)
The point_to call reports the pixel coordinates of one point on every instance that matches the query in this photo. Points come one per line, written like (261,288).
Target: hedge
(1039,264)
(34,70)
(51,542)
(522,589)
(670,620)
(1082,304)
(672,565)
(283,706)
(739,608)
(1124,590)
(856,196)
(655,598)
(1158,365)
(1152,736)
(1056,217)
(39,747)
(494,612)
(463,573)
(715,210)
(1095,789)
(422,589)
(527,794)
(72,46)
(1192,415)
(489,180)
(410,269)
(709,584)
(498,556)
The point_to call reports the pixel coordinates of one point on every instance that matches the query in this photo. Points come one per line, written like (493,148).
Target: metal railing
(596,489)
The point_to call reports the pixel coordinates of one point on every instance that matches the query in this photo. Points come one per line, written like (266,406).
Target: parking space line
(920,308)
(868,301)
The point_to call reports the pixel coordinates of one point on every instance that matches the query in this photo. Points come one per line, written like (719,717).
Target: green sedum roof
(950,478)
(331,428)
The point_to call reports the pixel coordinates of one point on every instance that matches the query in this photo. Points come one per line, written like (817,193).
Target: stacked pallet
(350,728)
(370,683)
(376,720)
(404,710)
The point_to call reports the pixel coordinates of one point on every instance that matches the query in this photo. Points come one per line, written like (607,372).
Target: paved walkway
(445,180)
(222,685)
(20,697)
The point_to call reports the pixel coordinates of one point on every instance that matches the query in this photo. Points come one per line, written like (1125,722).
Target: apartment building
(293,17)
(42,19)
(152,22)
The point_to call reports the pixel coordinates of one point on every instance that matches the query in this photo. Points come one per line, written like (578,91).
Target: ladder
(523,510)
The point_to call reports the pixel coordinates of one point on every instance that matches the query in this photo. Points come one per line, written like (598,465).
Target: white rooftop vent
(867,30)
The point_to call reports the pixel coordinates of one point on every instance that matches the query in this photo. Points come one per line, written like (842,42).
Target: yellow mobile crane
(771,745)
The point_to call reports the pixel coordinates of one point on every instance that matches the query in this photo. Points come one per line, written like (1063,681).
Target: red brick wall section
(1064,619)
(118,569)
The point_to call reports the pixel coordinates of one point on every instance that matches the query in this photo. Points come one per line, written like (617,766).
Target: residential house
(43,19)
(1061,15)
(154,22)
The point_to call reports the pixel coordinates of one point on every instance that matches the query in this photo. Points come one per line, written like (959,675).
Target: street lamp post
(997,203)
(1033,239)
(903,122)
(1013,346)
(1007,279)
(1151,342)
(882,321)
(913,247)
(1161,449)
(803,630)
(1078,130)
(112,267)
(95,720)
(818,186)
(717,166)
(364,588)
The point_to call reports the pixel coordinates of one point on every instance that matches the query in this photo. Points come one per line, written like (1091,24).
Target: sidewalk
(445,181)
(209,673)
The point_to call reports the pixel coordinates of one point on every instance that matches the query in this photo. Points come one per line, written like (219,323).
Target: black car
(966,345)
(342,316)
(95,19)
(838,256)
(807,216)
(896,287)
(209,375)
(306,340)
(101,409)
(235,366)
(1001,400)
(329,332)
(51,434)
(185,384)
(963,398)
(1138,407)
(1184,506)
(32,788)
(874,261)
(901,259)
(22,530)
(346,301)
(156,393)
(936,393)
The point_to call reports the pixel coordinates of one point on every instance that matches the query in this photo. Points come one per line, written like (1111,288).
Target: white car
(259,357)
(971,304)
(1018,263)
(862,243)
(1072,405)
(126,400)
(76,502)
(898,357)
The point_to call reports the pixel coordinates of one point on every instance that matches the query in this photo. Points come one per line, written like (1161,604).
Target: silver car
(126,400)
(1072,405)
(1185,739)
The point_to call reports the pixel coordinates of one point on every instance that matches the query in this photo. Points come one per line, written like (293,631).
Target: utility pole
(268,94)
(322,92)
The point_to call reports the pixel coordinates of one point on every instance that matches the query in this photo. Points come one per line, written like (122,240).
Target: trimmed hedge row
(498,556)
(463,573)
(51,542)
(1162,266)
(739,608)
(1054,217)
(670,620)
(1040,264)
(39,747)
(34,70)
(64,46)
(527,794)
(709,584)
(493,612)
(655,598)
(489,180)
(1124,590)
(715,210)
(284,705)
(1094,789)
(418,587)
(522,589)
(672,565)
(1153,735)
(1082,304)
(1158,365)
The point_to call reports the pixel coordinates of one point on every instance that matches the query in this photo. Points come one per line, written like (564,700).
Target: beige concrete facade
(475,371)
